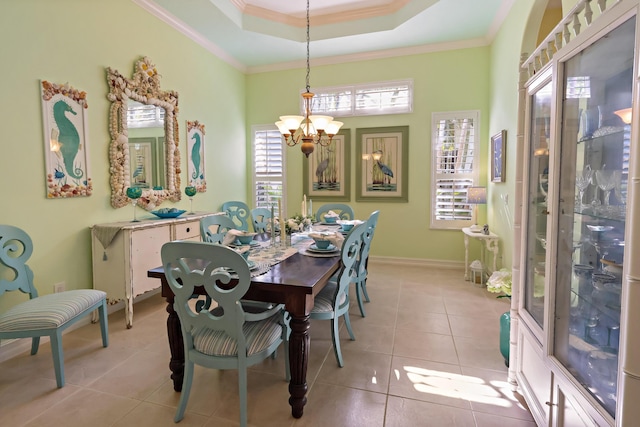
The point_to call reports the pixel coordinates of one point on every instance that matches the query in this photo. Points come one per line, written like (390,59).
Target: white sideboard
(123,252)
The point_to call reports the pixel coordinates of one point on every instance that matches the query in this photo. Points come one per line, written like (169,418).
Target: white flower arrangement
(297,223)
(500,281)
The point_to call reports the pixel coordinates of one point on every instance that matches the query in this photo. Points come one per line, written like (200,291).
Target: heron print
(381,176)
(327,177)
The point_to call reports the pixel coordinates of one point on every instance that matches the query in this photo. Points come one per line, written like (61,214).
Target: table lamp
(476,196)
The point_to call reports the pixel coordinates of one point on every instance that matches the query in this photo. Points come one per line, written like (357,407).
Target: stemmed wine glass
(134,193)
(607,180)
(190,191)
(583,179)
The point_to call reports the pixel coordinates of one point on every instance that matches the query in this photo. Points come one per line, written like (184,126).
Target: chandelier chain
(308,63)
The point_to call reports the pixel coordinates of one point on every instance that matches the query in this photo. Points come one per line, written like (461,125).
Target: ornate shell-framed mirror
(144,137)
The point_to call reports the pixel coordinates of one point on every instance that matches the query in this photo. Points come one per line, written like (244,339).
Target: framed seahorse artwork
(326,170)
(64,116)
(195,156)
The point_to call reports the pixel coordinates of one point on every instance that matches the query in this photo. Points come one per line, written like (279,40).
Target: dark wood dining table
(293,282)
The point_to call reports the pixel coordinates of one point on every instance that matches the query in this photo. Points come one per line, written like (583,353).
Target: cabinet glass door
(593,174)
(536,244)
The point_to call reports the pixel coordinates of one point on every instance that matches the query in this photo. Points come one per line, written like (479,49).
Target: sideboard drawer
(188,231)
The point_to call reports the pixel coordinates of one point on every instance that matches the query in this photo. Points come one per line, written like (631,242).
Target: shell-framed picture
(65,141)
(195,156)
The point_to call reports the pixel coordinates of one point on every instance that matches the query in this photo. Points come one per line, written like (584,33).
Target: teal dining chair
(261,218)
(343,210)
(226,337)
(239,212)
(363,261)
(41,316)
(333,300)
(213,228)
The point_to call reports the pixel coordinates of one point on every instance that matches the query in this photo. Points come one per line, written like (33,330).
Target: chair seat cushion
(259,335)
(323,302)
(49,311)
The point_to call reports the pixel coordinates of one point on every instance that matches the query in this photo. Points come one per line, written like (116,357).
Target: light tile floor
(425,355)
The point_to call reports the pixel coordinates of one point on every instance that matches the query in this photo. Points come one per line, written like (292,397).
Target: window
(144,116)
(455,156)
(268,168)
(394,97)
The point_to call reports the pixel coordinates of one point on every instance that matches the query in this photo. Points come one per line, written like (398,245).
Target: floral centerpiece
(297,223)
(500,281)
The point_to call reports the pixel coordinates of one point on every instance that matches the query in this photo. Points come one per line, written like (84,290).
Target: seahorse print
(68,138)
(195,156)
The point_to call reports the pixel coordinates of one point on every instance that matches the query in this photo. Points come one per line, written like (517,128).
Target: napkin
(231,236)
(353,222)
(336,238)
(331,214)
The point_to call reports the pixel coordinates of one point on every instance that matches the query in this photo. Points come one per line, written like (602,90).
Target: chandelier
(308,129)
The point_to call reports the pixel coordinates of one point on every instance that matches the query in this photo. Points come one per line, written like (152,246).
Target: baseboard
(14,347)
(443,264)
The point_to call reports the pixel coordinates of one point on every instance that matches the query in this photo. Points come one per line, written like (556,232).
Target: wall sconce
(476,196)
(624,114)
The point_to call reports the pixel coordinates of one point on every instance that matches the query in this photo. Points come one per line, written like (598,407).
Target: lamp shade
(477,195)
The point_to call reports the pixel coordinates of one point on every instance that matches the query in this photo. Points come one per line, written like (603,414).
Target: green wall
(74,41)
(442,81)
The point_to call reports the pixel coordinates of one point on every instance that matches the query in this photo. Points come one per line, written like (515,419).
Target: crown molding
(367,56)
(185,29)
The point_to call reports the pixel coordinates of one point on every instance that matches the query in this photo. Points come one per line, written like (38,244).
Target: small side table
(491,242)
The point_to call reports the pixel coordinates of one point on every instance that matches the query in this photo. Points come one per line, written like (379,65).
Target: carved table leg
(298,360)
(176,346)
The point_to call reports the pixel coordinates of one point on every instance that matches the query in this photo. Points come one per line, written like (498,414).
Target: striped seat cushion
(323,302)
(259,336)
(49,311)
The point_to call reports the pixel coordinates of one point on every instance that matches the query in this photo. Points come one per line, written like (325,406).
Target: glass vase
(505,333)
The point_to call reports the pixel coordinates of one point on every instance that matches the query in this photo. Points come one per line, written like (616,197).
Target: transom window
(393,97)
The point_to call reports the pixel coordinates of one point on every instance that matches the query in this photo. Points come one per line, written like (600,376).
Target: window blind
(268,168)
(391,97)
(454,155)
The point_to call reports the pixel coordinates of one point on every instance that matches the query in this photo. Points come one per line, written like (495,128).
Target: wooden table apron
(294,282)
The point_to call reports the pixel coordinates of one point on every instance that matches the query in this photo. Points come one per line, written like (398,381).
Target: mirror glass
(144,137)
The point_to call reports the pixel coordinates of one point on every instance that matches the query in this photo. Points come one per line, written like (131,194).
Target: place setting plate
(316,249)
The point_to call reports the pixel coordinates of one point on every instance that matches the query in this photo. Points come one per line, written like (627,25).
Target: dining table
(294,282)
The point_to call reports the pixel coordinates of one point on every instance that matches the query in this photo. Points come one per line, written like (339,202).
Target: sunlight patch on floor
(447,384)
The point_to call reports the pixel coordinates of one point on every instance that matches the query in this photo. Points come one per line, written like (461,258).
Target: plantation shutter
(268,168)
(455,164)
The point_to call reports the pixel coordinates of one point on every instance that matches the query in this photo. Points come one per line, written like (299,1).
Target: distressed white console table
(490,241)
(124,251)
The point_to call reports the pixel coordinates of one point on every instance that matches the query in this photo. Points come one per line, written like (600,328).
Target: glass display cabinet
(578,361)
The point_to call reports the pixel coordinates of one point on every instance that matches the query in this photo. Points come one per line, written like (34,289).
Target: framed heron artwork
(65,141)
(326,170)
(498,156)
(195,156)
(383,164)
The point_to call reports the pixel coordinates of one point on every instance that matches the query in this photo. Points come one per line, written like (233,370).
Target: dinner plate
(314,248)
(330,223)
(253,243)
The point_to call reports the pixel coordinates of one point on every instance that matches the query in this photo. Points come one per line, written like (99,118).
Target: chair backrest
(16,248)
(367,237)
(345,211)
(261,218)
(239,212)
(189,264)
(348,265)
(213,228)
